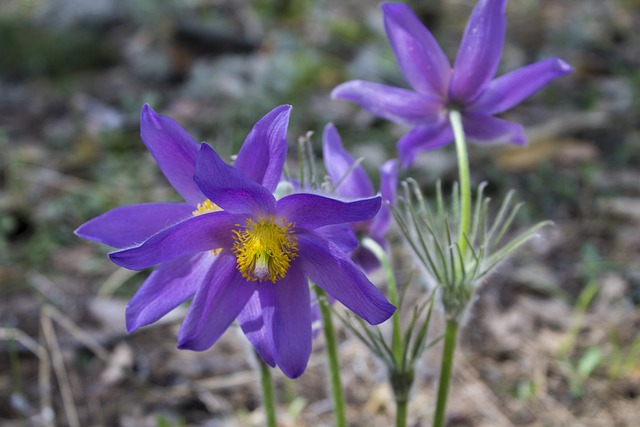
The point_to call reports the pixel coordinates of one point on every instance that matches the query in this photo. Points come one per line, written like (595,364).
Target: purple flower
(469,86)
(175,151)
(352,182)
(241,253)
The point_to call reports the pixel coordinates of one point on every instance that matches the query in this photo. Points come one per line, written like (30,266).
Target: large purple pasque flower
(468,87)
(352,182)
(186,270)
(175,152)
(265,251)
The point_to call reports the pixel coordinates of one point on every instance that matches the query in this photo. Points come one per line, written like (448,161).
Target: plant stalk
(465,182)
(446,369)
(268,397)
(401,412)
(332,358)
(381,255)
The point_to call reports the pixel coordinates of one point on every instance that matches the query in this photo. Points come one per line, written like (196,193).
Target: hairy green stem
(465,182)
(401,381)
(332,358)
(268,398)
(401,412)
(446,369)
(381,255)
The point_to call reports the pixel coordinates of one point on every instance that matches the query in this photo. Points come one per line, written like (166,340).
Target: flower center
(264,248)
(206,207)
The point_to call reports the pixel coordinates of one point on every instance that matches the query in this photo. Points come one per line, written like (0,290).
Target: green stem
(268,399)
(332,358)
(401,412)
(401,381)
(446,368)
(381,255)
(465,183)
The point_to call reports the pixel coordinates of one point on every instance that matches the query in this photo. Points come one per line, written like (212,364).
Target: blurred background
(554,336)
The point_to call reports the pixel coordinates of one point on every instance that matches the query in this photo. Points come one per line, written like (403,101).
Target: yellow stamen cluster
(264,248)
(206,207)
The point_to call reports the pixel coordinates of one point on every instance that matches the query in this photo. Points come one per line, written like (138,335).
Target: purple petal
(174,151)
(334,272)
(198,234)
(340,234)
(227,187)
(352,182)
(220,299)
(316,317)
(423,138)
(291,322)
(365,259)
(127,226)
(171,284)
(479,52)
(423,63)
(509,90)
(314,211)
(389,180)
(392,103)
(380,224)
(488,129)
(252,322)
(262,155)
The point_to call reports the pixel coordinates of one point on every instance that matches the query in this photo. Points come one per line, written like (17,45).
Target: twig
(44,371)
(568,123)
(114,281)
(78,333)
(7,334)
(47,413)
(59,368)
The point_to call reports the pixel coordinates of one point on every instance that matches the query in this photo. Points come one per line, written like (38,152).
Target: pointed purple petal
(380,224)
(423,63)
(423,138)
(313,211)
(198,234)
(291,322)
(392,103)
(217,303)
(227,187)
(334,272)
(174,151)
(479,52)
(488,129)
(251,320)
(352,182)
(262,155)
(127,226)
(171,284)
(509,90)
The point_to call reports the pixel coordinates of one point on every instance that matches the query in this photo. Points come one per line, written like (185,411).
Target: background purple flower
(268,249)
(469,86)
(352,182)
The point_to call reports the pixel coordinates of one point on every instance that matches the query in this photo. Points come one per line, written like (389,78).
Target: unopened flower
(253,255)
(468,87)
(352,182)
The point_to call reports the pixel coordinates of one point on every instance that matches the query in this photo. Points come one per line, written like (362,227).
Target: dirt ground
(553,337)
